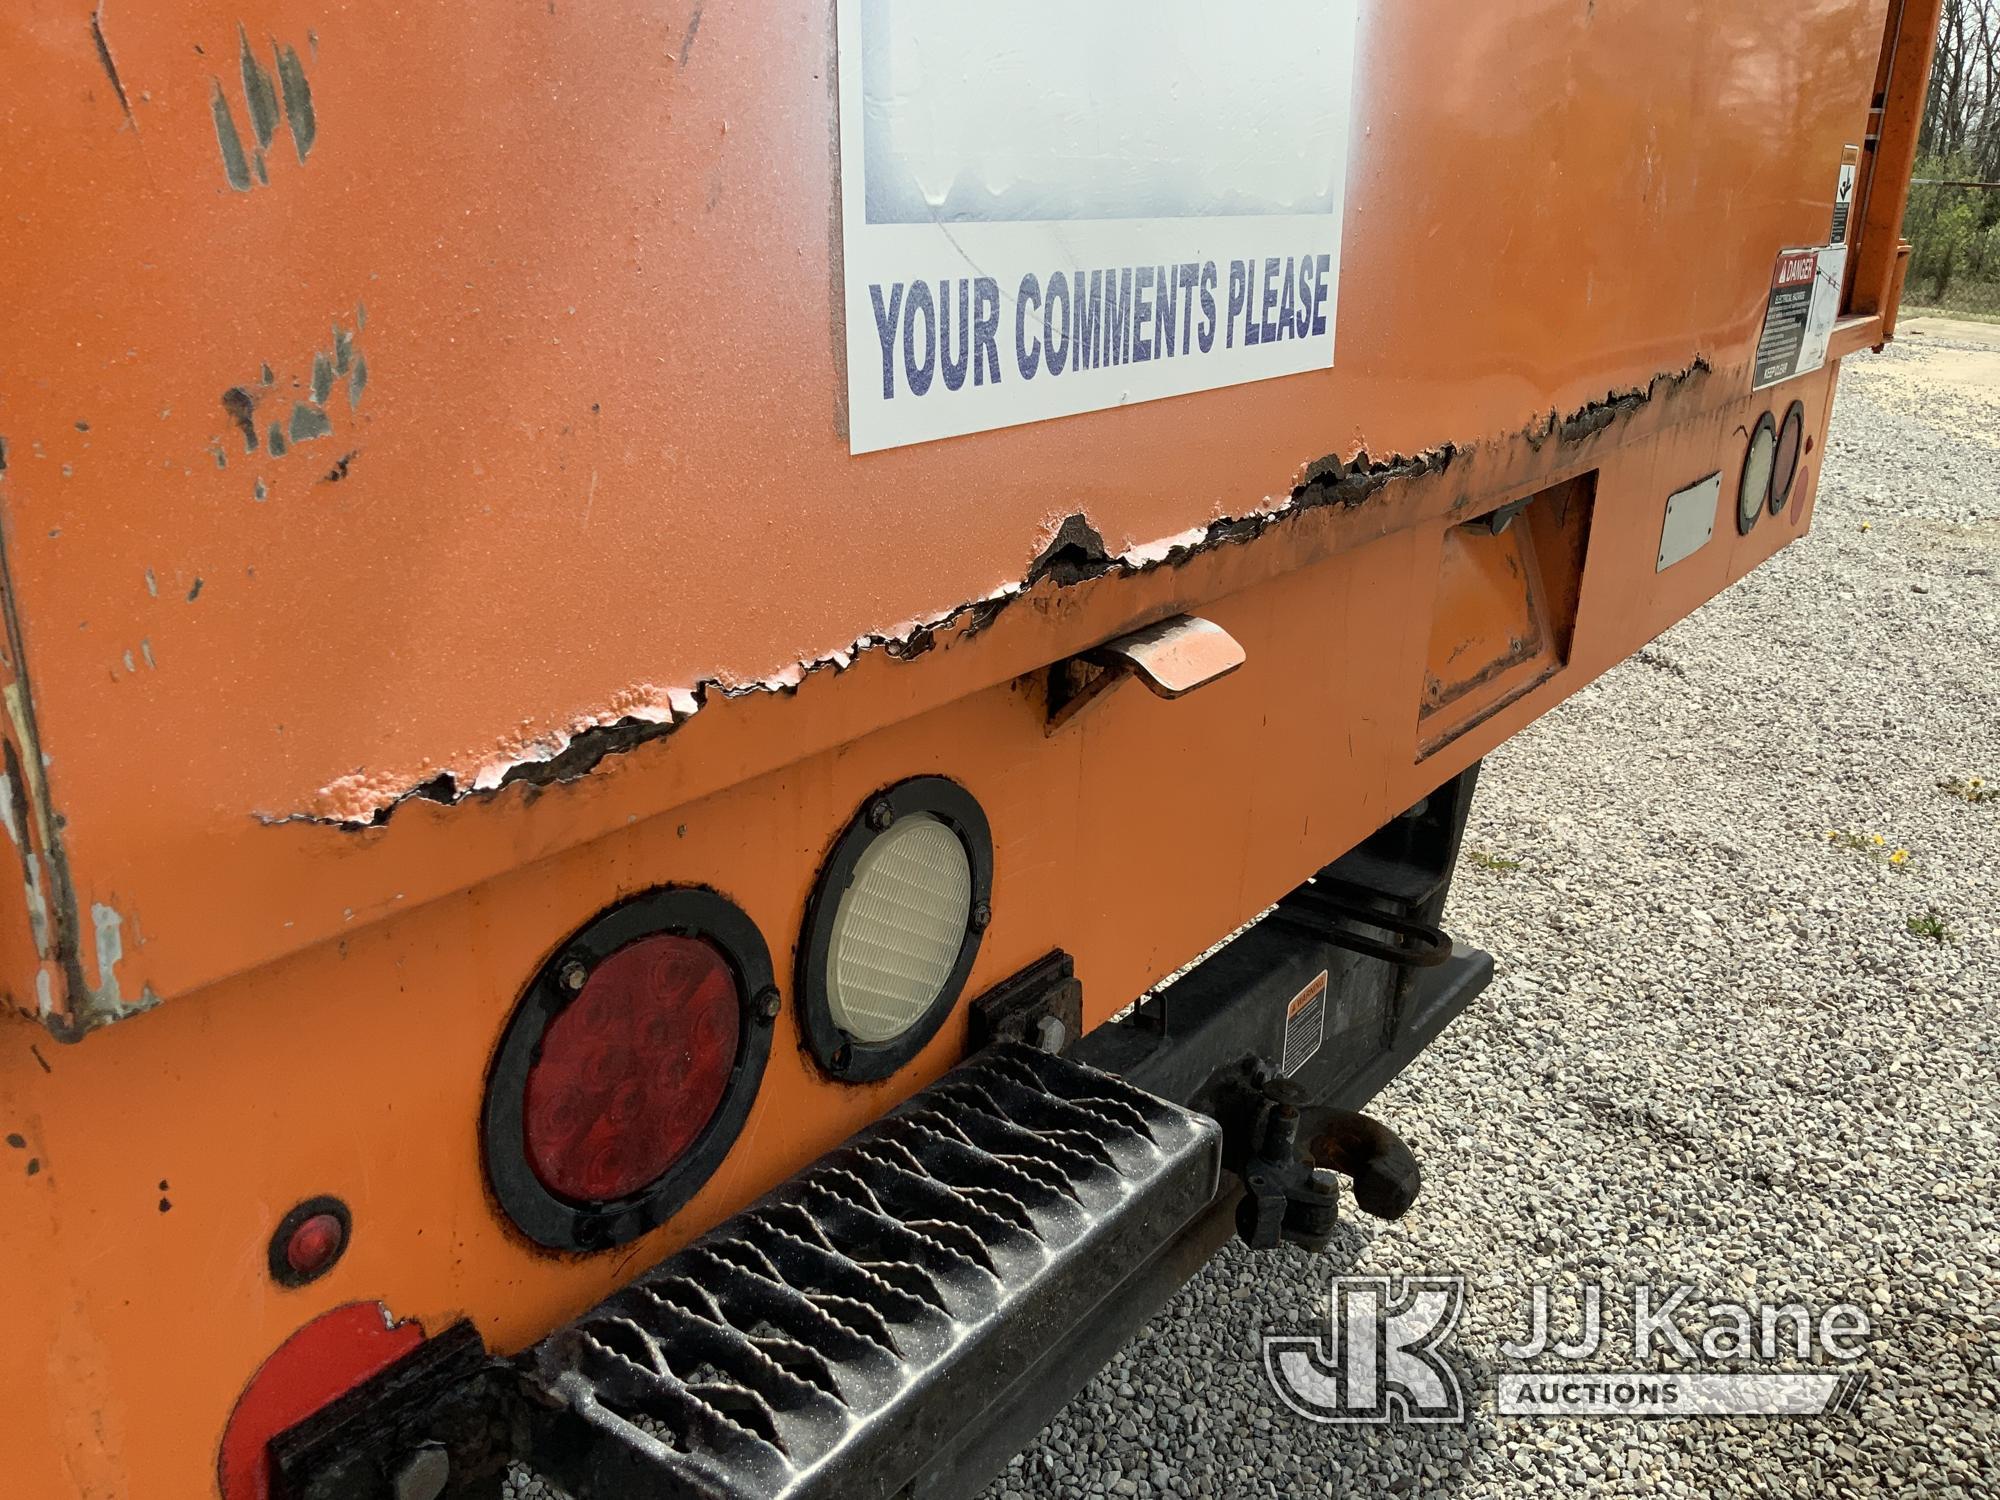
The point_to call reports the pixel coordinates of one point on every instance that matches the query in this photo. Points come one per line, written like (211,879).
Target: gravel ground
(1717,1052)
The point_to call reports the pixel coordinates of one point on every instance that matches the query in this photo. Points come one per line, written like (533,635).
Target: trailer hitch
(1292,1193)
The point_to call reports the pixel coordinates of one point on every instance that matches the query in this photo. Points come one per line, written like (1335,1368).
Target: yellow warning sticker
(1305,1025)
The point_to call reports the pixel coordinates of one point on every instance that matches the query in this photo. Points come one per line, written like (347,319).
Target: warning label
(1799,317)
(1843,195)
(1305,1026)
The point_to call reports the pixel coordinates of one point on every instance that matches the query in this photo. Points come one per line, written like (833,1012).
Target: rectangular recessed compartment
(1506,607)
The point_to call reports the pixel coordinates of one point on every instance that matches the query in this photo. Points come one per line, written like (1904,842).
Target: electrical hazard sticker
(1843,194)
(1800,313)
(1305,1026)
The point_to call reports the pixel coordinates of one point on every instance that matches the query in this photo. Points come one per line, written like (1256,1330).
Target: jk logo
(1379,1361)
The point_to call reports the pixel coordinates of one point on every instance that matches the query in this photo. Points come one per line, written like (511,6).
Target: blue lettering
(885,329)
(1118,315)
(1057,354)
(1268,302)
(1238,295)
(918,376)
(985,331)
(1089,321)
(1142,314)
(1319,293)
(1207,331)
(954,369)
(1286,309)
(1027,360)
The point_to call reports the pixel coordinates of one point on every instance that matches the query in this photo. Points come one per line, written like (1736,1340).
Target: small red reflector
(633,1069)
(314,1244)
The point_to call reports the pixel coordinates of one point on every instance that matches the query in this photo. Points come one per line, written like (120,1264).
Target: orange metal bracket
(1909,45)
(1173,658)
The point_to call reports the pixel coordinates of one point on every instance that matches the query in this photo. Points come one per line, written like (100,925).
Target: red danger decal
(1797,270)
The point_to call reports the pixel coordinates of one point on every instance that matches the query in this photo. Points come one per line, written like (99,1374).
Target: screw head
(1051,1034)
(880,814)
(982,917)
(574,975)
(769,1003)
(1324,1181)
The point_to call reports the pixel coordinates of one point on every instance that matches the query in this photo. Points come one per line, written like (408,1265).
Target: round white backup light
(893,927)
(1758,466)
(898,929)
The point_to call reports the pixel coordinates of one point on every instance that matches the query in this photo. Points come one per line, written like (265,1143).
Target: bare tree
(1962,111)
(1954,220)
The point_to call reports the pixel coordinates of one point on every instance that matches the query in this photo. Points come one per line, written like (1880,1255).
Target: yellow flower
(1831,834)
(1866,524)
(1876,838)
(1977,781)
(1900,857)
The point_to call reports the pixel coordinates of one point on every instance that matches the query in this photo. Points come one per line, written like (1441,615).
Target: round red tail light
(1791,439)
(632,1068)
(628,1068)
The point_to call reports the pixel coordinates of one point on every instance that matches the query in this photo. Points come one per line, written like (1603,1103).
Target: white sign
(1799,314)
(1058,206)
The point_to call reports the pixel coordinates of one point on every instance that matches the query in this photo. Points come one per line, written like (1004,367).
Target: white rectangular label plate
(1050,208)
(1690,521)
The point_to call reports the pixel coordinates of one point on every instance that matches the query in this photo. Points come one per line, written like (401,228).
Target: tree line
(1954,218)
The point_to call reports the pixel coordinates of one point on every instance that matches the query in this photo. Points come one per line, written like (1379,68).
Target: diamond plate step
(826,1340)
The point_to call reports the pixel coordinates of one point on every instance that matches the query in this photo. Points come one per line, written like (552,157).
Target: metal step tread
(824,1340)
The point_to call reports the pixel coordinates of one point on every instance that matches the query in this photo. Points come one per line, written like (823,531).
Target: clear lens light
(898,929)
(1757,474)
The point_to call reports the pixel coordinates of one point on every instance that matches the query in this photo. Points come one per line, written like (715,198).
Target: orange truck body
(572,586)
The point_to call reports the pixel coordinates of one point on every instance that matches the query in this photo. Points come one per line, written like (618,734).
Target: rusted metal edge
(1593,417)
(1076,553)
(49,888)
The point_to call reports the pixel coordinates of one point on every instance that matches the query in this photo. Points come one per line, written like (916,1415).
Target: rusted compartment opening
(1506,607)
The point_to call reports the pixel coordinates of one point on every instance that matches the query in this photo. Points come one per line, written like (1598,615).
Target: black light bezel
(559,1223)
(1745,520)
(1796,412)
(838,1054)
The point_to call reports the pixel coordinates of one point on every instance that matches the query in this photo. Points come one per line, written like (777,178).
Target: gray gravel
(1715,1054)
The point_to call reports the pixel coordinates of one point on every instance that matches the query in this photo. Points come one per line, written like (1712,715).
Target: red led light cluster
(632,1069)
